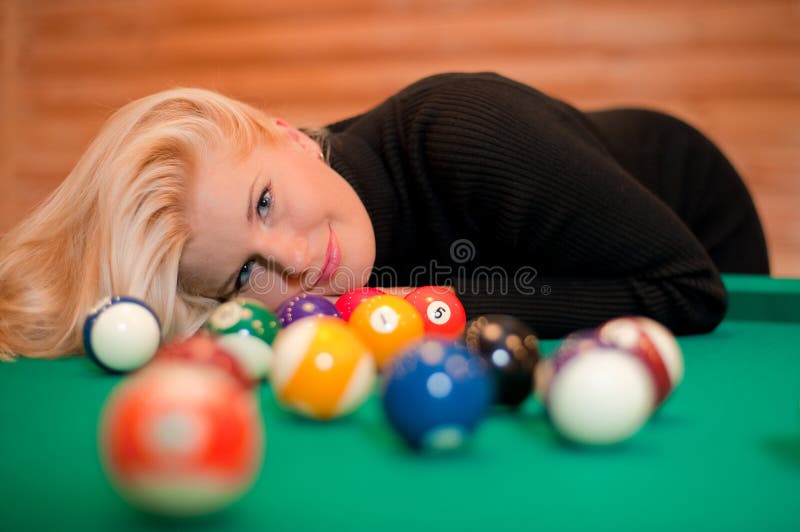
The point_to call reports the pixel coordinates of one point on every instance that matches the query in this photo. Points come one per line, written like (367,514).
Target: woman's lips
(333,257)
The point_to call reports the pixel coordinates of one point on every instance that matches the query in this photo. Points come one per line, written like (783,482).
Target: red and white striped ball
(181,438)
(667,347)
(653,344)
(321,369)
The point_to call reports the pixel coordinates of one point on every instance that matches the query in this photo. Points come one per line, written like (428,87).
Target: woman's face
(274,223)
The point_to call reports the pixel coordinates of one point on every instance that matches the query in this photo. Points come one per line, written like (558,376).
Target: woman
(519,202)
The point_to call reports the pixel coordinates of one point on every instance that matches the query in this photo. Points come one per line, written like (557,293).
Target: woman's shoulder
(449,90)
(483,102)
(475,93)
(470,81)
(449,78)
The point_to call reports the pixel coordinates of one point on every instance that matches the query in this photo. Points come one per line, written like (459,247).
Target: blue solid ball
(436,394)
(121,334)
(304,306)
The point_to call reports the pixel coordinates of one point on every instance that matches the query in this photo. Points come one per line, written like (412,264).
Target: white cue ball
(601,396)
(121,334)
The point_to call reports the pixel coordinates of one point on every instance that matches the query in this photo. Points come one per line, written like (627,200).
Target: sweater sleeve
(523,180)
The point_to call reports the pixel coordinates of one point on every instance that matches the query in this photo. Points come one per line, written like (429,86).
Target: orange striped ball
(321,369)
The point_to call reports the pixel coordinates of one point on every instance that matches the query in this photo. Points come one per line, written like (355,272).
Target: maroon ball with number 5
(441,310)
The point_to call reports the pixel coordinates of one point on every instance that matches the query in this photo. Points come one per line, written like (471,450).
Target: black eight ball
(511,348)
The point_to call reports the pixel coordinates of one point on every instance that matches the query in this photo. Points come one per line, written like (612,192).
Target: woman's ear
(298,137)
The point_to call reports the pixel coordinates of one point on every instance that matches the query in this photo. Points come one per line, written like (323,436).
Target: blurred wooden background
(730,67)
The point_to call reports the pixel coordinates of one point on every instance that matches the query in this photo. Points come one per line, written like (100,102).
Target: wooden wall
(731,67)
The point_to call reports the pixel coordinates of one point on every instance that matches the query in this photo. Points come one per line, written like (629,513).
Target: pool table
(722,454)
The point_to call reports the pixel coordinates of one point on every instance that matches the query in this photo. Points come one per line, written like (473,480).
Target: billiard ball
(203,348)
(348,301)
(599,394)
(667,347)
(511,349)
(387,324)
(121,334)
(303,306)
(435,394)
(321,369)
(181,439)
(442,312)
(247,329)
(630,334)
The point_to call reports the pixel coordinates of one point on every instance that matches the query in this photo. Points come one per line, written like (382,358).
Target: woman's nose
(288,249)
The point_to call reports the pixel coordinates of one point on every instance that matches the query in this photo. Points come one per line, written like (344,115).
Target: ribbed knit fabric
(518,201)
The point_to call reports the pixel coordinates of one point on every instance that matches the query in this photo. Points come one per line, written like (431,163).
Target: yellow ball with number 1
(387,324)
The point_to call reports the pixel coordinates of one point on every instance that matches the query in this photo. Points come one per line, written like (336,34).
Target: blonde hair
(117,224)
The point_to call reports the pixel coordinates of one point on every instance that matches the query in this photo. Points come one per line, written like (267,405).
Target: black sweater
(514,198)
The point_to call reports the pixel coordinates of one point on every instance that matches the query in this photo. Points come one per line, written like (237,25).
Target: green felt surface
(722,454)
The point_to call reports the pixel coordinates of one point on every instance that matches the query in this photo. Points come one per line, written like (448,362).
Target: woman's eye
(244,274)
(264,203)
